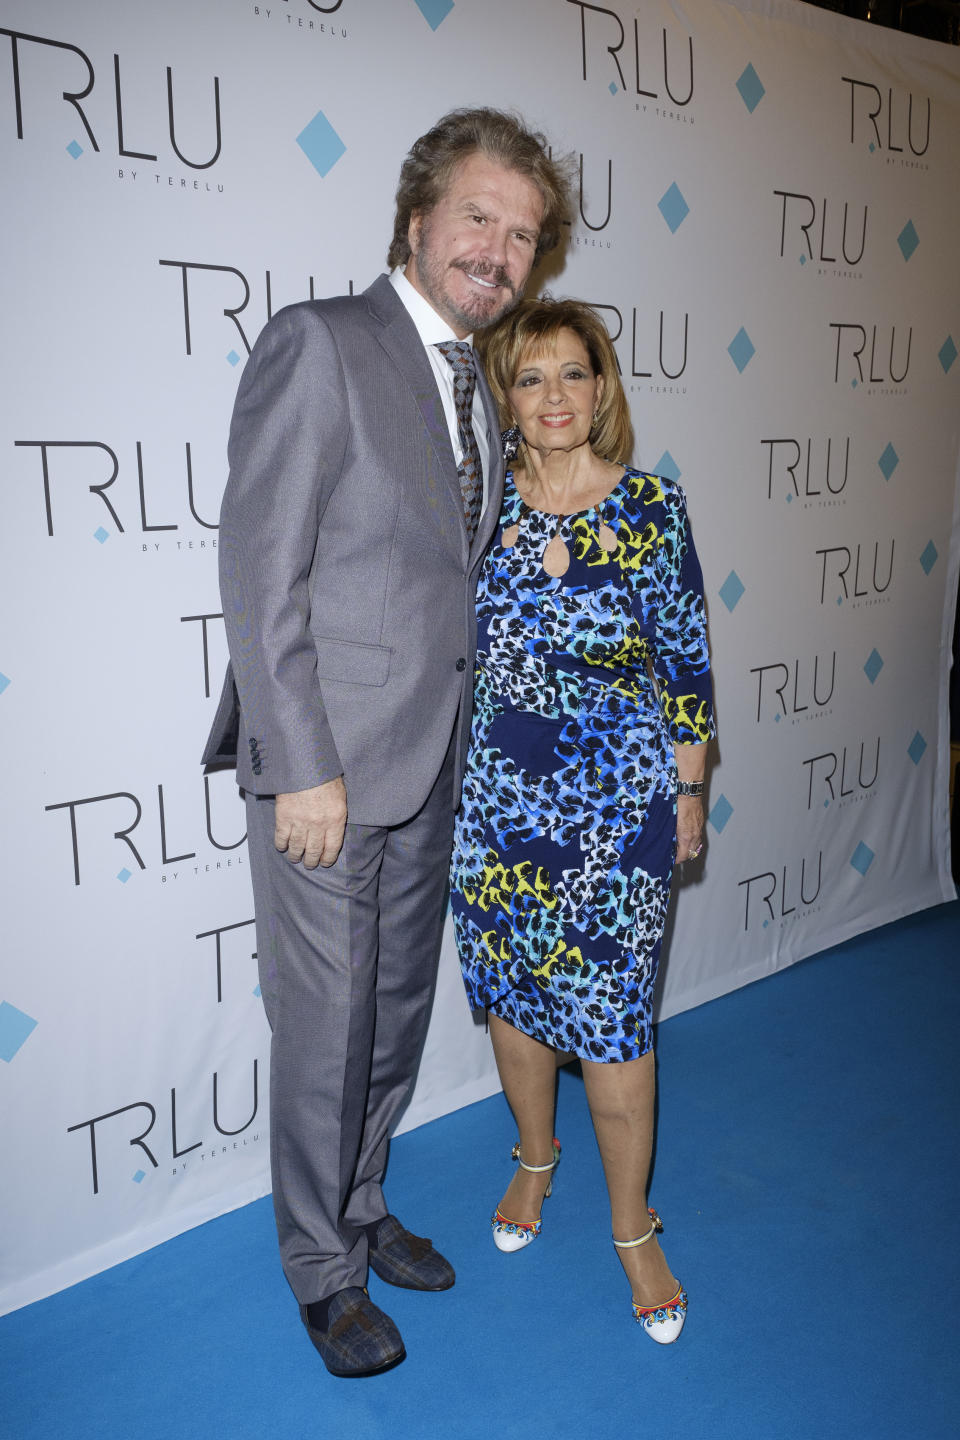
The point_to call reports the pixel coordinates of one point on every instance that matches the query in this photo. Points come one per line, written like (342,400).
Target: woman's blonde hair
(532,327)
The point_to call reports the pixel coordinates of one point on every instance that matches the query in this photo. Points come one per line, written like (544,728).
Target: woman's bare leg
(621,1096)
(528,1072)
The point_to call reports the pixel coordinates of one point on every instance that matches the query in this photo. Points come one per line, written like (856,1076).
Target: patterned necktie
(459,356)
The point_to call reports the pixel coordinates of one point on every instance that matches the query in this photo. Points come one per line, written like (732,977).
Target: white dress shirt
(432,328)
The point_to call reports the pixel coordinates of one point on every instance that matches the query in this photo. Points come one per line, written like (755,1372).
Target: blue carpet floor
(807,1173)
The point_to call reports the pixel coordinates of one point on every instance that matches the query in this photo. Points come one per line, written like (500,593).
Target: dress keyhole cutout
(556,558)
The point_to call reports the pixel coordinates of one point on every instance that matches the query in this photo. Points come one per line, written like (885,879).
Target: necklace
(555,557)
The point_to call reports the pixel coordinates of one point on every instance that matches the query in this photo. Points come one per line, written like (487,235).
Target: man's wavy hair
(500,136)
(532,328)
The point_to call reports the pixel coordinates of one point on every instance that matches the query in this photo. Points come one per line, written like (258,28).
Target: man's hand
(310,823)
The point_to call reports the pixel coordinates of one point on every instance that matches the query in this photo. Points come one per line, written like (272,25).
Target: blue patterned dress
(566,834)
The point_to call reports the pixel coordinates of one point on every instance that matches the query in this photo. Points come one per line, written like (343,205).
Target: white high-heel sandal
(662,1323)
(510,1235)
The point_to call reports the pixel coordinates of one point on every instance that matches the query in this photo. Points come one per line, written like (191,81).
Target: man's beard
(482,309)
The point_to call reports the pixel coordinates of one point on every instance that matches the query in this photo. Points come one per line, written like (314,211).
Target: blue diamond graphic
(803,259)
(777,718)
(256,991)
(947,353)
(4,682)
(789,496)
(74,149)
(668,467)
(862,858)
(434,11)
(320,142)
(15,1027)
(139,1176)
(612,87)
(908,240)
(916,748)
(873,666)
(872,147)
(929,557)
(854,384)
(124,875)
(765,924)
(888,462)
(673,207)
(751,89)
(731,591)
(101,535)
(826,804)
(741,350)
(720,814)
(839,599)
(233,358)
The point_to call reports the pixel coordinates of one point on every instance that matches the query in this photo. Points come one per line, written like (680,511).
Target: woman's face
(555,393)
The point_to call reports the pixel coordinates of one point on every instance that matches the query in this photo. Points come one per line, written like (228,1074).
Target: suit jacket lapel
(398,336)
(491,513)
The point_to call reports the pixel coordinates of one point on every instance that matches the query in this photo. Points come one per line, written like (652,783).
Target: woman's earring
(511,440)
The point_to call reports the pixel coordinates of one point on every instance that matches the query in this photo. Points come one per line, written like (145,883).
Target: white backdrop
(769,206)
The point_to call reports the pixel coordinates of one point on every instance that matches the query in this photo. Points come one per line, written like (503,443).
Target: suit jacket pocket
(352,662)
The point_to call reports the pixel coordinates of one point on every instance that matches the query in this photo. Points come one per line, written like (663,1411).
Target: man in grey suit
(365,484)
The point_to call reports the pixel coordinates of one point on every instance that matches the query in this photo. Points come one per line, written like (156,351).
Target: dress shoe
(662,1323)
(358,1338)
(511,1235)
(406,1260)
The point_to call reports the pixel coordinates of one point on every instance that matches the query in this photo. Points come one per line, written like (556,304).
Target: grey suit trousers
(338,989)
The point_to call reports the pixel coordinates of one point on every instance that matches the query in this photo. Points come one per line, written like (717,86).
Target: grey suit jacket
(345,573)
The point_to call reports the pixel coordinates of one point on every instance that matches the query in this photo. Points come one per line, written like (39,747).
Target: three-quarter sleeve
(681,660)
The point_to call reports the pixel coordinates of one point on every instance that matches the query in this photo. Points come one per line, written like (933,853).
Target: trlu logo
(808,686)
(867,108)
(219,947)
(78,464)
(840,557)
(203,621)
(200,157)
(832,236)
(229,312)
(115,1139)
(126,806)
(677,66)
(781,887)
(854,778)
(819,475)
(670,363)
(283,9)
(852,342)
(582,200)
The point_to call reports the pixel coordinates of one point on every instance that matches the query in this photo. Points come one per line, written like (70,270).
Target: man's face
(472,253)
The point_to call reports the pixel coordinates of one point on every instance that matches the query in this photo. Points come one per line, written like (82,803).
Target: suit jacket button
(461,663)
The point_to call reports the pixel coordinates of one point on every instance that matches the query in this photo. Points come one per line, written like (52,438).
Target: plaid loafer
(359,1339)
(404,1259)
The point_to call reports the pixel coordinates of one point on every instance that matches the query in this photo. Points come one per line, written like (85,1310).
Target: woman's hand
(690,821)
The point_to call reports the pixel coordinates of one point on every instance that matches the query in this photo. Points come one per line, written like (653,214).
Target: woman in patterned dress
(593,705)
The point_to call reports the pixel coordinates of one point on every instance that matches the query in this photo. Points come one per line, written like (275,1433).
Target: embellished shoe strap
(501,1222)
(668,1309)
(656,1225)
(536,1169)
